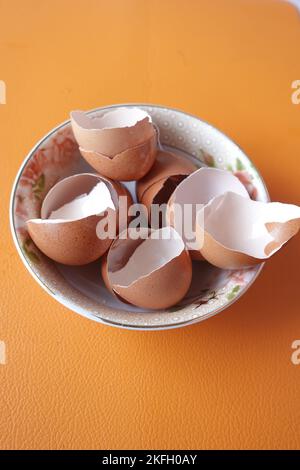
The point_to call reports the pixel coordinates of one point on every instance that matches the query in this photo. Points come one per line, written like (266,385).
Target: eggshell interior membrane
(113,132)
(70,213)
(206,183)
(97,201)
(149,256)
(78,196)
(191,194)
(152,273)
(241,232)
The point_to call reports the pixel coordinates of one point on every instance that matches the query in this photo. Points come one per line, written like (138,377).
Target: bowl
(81,289)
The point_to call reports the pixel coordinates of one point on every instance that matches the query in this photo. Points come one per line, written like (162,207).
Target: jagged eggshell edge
(132,164)
(113,140)
(279,230)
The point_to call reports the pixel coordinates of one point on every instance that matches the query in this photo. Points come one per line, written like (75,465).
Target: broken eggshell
(120,144)
(167,172)
(205,184)
(239,232)
(198,189)
(166,164)
(70,213)
(152,273)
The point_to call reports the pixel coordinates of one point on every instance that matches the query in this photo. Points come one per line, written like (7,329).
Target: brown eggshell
(74,242)
(149,196)
(222,257)
(283,232)
(68,189)
(159,289)
(121,191)
(267,243)
(199,188)
(166,164)
(159,193)
(118,258)
(104,274)
(112,132)
(132,164)
(163,288)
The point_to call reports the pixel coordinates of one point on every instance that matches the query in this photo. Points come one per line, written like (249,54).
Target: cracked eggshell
(70,213)
(198,189)
(159,193)
(132,164)
(152,273)
(239,232)
(205,184)
(158,185)
(120,144)
(166,164)
(104,274)
(112,132)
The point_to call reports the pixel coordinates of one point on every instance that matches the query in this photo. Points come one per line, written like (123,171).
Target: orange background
(225,383)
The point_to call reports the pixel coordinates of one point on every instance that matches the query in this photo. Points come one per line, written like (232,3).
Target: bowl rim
(75,307)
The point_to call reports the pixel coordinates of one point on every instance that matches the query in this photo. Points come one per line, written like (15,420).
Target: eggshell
(117,191)
(239,232)
(158,184)
(166,164)
(74,240)
(120,144)
(159,194)
(113,132)
(154,273)
(131,164)
(73,243)
(204,184)
(150,194)
(198,189)
(104,274)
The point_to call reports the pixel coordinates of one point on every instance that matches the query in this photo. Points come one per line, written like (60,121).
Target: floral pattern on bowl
(80,289)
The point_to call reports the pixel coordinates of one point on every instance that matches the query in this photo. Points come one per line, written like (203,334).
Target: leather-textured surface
(224,383)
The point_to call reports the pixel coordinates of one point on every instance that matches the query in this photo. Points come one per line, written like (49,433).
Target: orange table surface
(228,382)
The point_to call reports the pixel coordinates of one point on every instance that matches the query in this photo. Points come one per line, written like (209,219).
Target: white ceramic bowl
(81,288)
